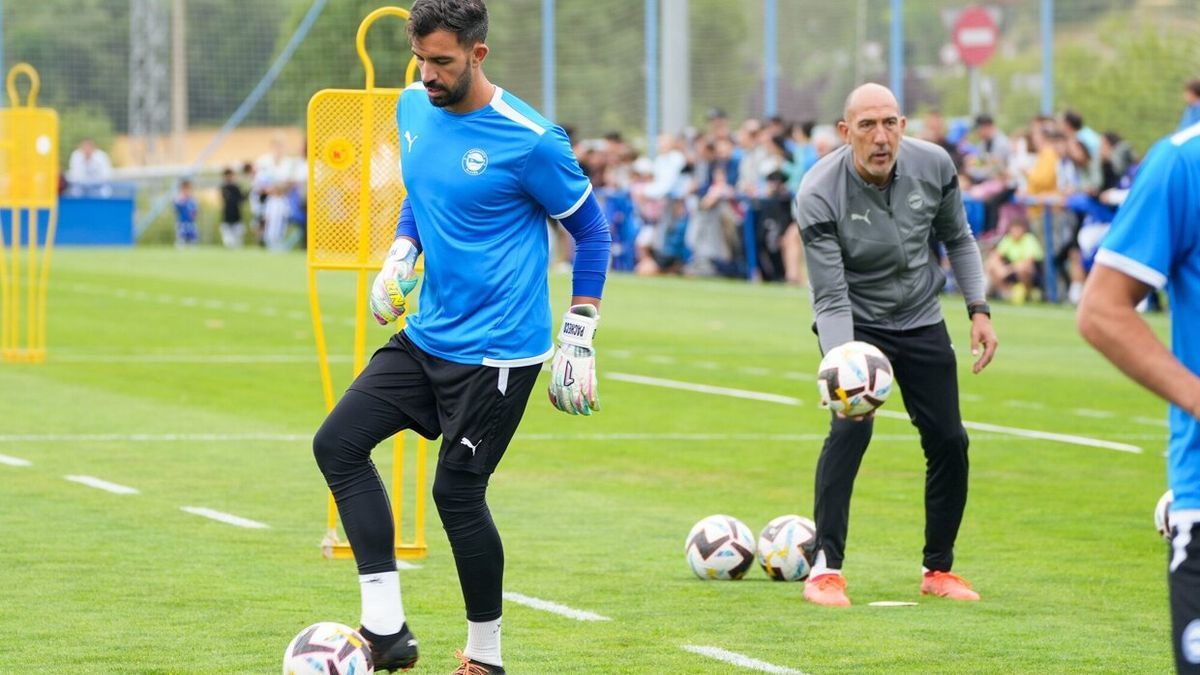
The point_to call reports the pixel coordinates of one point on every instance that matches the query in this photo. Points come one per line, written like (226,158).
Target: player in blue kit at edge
(483,172)
(1155,242)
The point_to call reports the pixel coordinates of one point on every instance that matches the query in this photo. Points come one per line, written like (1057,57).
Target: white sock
(483,642)
(821,567)
(382,611)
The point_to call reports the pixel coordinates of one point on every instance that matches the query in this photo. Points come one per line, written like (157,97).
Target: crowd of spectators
(716,201)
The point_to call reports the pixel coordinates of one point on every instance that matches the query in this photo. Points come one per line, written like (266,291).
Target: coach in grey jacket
(871,215)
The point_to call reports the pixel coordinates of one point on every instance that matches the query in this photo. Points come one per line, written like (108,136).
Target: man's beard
(456,94)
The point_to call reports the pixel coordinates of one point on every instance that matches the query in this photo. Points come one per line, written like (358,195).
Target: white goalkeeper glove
(573,371)
(395,280)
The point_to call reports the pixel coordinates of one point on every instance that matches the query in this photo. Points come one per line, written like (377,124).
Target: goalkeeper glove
(573,371)
(395,280)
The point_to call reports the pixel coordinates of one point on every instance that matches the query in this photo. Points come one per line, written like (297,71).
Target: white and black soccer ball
(328,648)
(786,547)
(1162,514)
(854,379)
(720,547)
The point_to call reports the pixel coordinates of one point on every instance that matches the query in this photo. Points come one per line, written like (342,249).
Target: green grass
(1057,537)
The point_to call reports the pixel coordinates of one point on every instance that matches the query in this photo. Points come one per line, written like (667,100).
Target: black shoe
(473,667)
(392,652)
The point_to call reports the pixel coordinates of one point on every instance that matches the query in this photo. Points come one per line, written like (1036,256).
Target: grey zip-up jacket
(871,253)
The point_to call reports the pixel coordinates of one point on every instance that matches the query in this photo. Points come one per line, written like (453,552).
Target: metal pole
(549,96)
(651,21)
(179,90)
(1047,57)
(770,58)
(2,71)
(676,66)
(897,49)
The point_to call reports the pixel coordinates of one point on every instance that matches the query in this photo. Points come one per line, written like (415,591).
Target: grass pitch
(191,377)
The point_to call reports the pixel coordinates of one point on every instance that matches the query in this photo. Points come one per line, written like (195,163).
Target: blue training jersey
(481,186)
(1155,238)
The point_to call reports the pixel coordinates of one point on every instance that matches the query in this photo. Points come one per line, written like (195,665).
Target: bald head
(872,125)
(869,95)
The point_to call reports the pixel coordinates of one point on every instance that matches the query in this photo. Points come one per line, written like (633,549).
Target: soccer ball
(328,648)
(1162,515)
(720,547)
(854,379)
(786,547)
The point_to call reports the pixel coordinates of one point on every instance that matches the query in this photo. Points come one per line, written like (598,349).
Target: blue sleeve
(593,245)
(1148,234)
(552,175)
(406,226)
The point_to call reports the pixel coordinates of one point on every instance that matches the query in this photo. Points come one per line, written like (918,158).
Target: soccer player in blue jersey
(1155,242)
(483,171)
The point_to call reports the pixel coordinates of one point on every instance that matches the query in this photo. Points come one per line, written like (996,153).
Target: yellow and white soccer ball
(720,547)
(328,648)
(854,379)
(786,547)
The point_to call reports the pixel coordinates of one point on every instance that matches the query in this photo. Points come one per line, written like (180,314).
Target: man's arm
(826,271)
(1109,321)
(951,228)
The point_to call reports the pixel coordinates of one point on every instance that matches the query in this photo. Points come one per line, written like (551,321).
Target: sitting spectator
(89,171)
(1012,265)
(711,229)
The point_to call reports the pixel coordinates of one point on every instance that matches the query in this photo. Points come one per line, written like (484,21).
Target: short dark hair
(467,19)
(1194,87)
(1073,119)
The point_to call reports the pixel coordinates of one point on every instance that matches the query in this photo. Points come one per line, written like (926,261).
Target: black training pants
(924,366)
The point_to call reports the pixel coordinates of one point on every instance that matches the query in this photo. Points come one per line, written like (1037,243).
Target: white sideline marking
(405,565)
(14,461)
(739,660)
(892,603)
(1095,414)
(227,518)
(656,358)
(1151,421)
(793,375)
(705,388)
(788,400)
(554,607)
(91,481)
(149,438)
(1027,405)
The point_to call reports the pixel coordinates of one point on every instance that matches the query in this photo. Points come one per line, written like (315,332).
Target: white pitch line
(92,481)
(705,388)
(554,607)
(788,400)
(405,565)
(1026,405)
(149,438)
(739,660)
(1151,421)
(227,518)
(14,461)
(1094,414)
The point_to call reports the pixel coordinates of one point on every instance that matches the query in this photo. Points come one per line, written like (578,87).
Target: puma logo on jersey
(411,139)
(865,216)
(469,444)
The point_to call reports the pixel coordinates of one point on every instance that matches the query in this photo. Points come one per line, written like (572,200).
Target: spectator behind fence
(711,229)
(1012,266)
(233,230)
(185,216)
(89,171)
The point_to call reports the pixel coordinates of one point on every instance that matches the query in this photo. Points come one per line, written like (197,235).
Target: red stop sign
(975,35)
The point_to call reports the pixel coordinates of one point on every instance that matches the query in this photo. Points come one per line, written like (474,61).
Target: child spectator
(1012,265)
(233,230)
(185,216)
